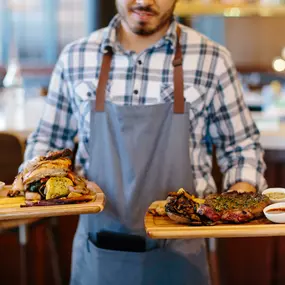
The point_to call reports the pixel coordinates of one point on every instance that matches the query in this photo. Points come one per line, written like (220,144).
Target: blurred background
(32,35)
(35,31)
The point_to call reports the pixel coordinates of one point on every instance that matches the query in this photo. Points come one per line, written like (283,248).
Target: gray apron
(137,155)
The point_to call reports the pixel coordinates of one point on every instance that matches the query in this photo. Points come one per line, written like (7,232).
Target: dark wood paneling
(246,261)
(280,260)
(38,253)
(254,41)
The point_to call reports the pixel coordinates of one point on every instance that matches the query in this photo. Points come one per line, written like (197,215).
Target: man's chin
(143,30)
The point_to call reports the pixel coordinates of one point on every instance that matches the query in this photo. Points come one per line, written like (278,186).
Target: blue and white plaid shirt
(218,114)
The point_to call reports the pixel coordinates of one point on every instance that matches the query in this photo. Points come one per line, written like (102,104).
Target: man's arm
(58,126)
(233,131)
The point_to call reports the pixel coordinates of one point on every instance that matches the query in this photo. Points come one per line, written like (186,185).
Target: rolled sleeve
(233,131)
(246,173)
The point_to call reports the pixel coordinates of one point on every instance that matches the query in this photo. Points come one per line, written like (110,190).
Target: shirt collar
(110,35)
(171,34)
(109,39)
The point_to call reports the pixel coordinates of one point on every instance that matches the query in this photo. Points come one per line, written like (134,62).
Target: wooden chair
(22,226)
(11,157)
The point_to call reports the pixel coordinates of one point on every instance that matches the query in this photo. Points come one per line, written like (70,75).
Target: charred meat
(233,207)
(181,208)
(59,154)
(229,207)
(55,202)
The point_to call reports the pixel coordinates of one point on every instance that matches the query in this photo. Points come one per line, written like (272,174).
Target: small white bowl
(2,184)
(272,190)
(278,218)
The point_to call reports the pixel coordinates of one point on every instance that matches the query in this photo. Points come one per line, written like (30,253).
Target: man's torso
(146,78)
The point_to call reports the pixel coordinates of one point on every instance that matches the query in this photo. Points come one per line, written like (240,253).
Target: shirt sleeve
(233,131)
(58,126)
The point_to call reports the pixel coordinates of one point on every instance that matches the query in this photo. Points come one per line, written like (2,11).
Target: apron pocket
(113,266)
(157,266)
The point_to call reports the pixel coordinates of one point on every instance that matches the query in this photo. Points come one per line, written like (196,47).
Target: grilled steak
(233,207)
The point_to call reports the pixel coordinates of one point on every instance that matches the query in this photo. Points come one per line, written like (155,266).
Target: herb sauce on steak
(234,207)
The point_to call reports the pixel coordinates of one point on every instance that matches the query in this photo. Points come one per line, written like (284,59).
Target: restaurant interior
(32,35)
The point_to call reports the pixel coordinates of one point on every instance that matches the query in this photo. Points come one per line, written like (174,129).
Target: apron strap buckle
(177,62)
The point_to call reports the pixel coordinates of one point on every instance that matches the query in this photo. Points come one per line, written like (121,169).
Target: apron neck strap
(178,79)
(103,80)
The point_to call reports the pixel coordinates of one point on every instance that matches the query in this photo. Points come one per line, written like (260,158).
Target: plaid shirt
(218,114)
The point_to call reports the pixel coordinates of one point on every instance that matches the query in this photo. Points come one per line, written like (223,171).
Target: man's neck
(133,42)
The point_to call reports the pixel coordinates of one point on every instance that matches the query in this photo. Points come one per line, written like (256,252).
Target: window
(71,21)
(41,28)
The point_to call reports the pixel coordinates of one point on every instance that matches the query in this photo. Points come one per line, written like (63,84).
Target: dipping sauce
(275,195)
(276,211)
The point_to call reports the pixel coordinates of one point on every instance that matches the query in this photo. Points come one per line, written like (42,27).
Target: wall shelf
(193,8)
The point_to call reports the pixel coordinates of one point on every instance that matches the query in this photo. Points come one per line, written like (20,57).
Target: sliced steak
(233,207)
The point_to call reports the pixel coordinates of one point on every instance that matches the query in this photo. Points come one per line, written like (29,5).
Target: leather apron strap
(103,80)
(178,79)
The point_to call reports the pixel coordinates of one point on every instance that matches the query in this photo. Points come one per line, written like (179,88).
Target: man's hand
(242,187)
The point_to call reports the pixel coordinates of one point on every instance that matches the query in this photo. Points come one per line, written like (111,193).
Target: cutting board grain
(161,227)
(15,212)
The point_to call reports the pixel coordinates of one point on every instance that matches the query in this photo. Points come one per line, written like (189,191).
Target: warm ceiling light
(278,64)
(283,53)
(232,12)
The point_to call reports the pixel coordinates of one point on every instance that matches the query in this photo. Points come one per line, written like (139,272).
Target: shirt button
(136,92)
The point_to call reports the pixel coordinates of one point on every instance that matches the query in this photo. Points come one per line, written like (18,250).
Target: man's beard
(141,29)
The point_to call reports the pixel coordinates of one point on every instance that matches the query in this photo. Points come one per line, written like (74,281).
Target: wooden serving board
(161,227)
(16,212)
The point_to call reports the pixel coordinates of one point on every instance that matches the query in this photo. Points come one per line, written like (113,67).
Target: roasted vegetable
(57,187)
(35,186)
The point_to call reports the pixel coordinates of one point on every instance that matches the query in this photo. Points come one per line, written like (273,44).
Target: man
(142,95)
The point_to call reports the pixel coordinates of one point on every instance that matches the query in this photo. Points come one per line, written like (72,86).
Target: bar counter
(20,114)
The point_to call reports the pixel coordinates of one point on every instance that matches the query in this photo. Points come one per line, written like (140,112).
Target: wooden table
(7,225)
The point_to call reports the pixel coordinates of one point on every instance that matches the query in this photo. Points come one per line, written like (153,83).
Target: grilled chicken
(32,196)
(18,183)
(56,168)
(59,154)
(50,181)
